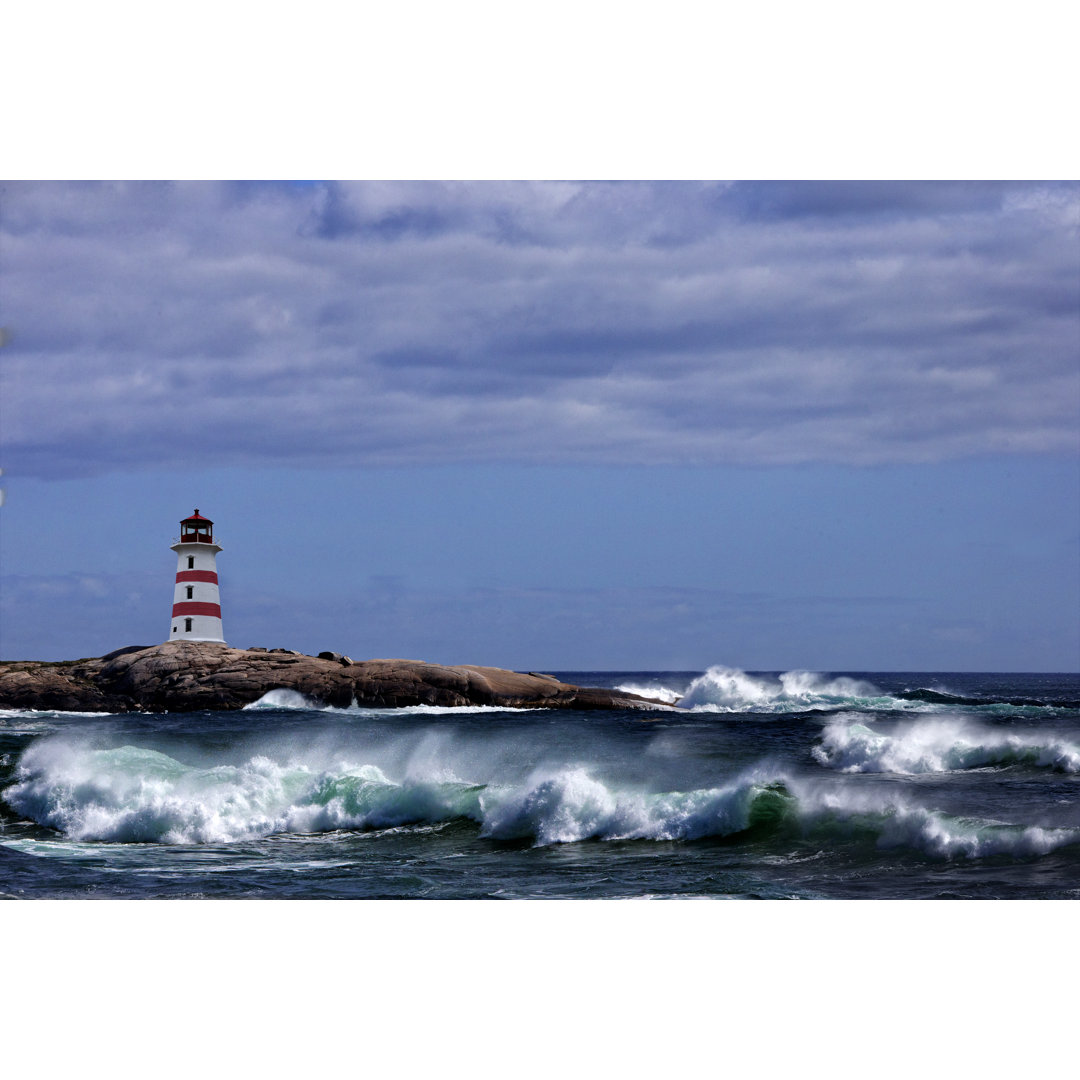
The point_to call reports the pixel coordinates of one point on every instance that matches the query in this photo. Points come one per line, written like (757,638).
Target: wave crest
(570,805)
(138,795)
(937,745)
(133,794)
(284,699)
(724,689)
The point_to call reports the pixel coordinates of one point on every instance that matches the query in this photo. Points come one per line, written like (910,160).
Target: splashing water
(650,690)
(937,745)
(284,699)
(132,794)
(724,689)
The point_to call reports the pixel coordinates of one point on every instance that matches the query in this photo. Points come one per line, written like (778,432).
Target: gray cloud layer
(558,322)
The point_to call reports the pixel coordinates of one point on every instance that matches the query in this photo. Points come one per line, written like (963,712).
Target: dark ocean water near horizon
(860,785)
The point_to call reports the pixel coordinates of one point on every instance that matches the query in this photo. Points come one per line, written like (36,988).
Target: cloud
(630,323)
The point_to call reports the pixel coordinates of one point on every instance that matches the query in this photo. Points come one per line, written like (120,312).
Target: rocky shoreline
(183,676)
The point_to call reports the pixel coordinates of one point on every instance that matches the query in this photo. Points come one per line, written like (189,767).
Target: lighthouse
(196,611)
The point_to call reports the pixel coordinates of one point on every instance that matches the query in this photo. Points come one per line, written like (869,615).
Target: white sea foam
(284,699)
(724,689)
(939,744)
(7,715)
(895,822)
(293,699)
(569,805)
(136,794)
(651,690)
(440,710)
(133,794)
(19,723)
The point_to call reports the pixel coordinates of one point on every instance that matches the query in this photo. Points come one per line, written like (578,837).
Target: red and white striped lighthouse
(196,611)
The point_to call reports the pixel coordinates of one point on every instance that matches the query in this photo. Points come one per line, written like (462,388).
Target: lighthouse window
(187,626)
(190,591)
(191,562)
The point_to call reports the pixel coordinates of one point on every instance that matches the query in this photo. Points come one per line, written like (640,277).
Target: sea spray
(284,699)
(654,690)
(724,689)
(937,745)
(138,795)
(135,794)
(896,822)
(569,805)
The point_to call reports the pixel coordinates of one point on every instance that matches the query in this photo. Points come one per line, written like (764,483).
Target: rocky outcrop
(181,676)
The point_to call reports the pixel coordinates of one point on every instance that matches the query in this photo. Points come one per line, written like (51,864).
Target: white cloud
(631,323)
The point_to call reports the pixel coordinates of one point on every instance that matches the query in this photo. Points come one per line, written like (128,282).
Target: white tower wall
(196,614)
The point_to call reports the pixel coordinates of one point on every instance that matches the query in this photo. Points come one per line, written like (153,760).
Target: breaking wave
(141,795)
(133,794)
(894,822)
(570,805)
(724,689)
(939,744)
(650,690)
(284,699)
(729,690)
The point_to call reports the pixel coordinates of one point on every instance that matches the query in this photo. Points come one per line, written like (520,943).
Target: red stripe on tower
(195,607)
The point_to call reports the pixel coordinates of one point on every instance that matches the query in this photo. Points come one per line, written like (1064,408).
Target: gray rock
(337,657)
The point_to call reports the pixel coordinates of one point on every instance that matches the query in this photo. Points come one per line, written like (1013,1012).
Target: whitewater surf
(785,784)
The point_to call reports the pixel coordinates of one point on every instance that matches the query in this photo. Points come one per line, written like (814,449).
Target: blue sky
(552,425)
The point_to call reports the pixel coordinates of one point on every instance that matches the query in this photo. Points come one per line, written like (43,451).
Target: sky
(549,426)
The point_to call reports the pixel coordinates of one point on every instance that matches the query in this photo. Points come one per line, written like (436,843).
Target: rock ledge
(181,676)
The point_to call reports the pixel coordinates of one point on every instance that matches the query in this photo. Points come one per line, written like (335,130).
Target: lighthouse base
(196,628)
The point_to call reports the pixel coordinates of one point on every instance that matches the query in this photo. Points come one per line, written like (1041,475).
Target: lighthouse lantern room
(196,612)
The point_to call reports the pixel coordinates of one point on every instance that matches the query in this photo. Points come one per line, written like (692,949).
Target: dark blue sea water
(759,785)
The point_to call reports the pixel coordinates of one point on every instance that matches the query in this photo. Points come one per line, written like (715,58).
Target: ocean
(759,785)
